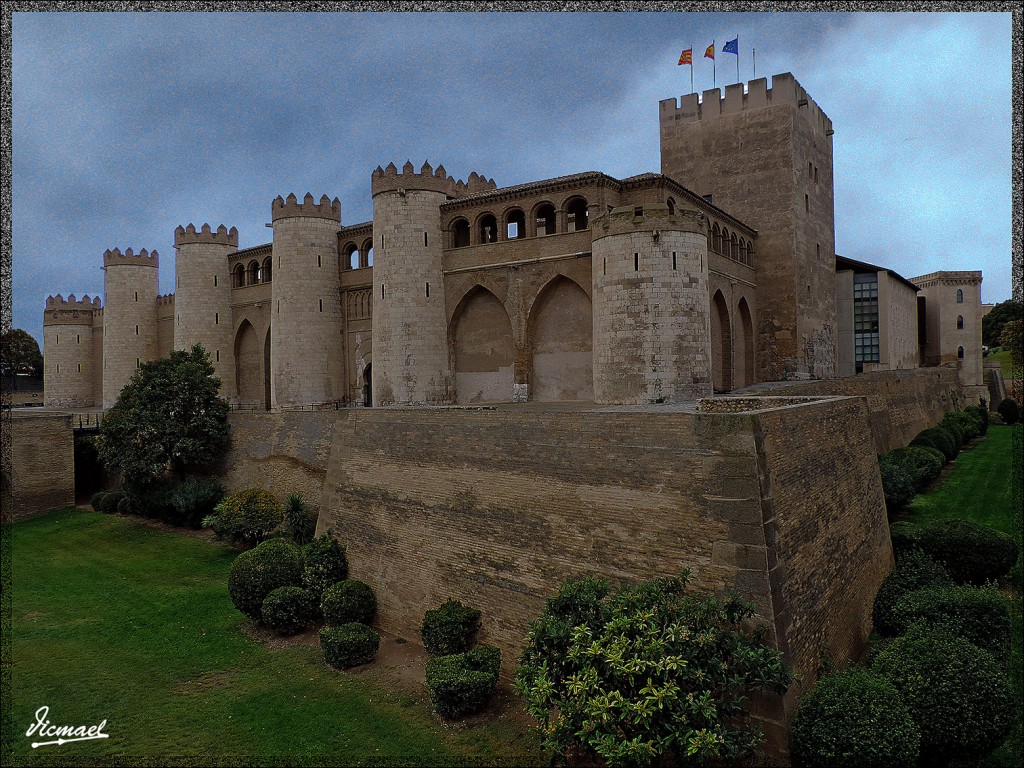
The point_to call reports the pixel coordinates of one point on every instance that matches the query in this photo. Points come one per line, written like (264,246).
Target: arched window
(716,238)
(959,322)
(488,228)
(545,219)
(366,253)
(238,276)
(267,269)
(460,233)
(352,256)
(743,251)
(515,224)
(959,296)
(671,207)
(734,248)
(723,244)
(254,273)
(576,215)
(960,352)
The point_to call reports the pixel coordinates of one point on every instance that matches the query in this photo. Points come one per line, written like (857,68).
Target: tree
(993,323)
(645,671)
(168,417)
(19,353)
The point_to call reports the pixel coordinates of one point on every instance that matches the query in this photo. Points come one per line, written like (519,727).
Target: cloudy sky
(127,125)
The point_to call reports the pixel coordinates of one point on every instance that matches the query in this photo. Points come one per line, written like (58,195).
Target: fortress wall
(282,452)
(900,403)
(42,464)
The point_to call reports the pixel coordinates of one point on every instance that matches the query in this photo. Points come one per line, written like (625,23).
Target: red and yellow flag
(686,57)
(710,52)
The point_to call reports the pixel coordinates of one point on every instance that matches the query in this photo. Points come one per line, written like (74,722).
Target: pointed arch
(266,371)
(560,332)
(744,346)
(481,348)
(248,364)
(721,344)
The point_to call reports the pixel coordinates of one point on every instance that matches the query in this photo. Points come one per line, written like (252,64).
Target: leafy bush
(852,719)
(258,572)
(978,615)
(449,629)
(1009,411)
(980,412)
(349,601)
(972,553)
(97,500)
(656,675)
(925,464)
(914,570)
(899,482)
(956,693)
(248,515)
(349,645)
(298,520)
(126,506)
(325,564)
(954,430)
(193,499)
(967,422)
(904,538)
(462,683)
(288,610)
(937,438)
(109,502)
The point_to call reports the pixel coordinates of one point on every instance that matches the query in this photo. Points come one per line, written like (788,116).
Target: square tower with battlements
(765,155)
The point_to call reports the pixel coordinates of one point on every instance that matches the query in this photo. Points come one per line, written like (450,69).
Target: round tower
(410,344)
(69,363)
(129,317)
(652,315)
(202,297)
(305,326)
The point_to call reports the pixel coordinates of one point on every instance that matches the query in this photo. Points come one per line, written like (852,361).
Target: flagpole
(714,64)
(737,58)
(691,67)
(755,63)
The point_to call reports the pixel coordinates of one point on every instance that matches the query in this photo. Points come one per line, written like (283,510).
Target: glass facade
(865,319)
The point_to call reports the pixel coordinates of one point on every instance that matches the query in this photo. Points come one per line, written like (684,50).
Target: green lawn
(114,620)
(1003,358)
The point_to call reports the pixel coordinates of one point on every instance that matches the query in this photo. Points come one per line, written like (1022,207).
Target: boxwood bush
(288,610)
(460,684)
(978,614)
(914,570)
(449,629)
(349,601)
(904,538)
(967,422)
(96,502)
(954,429)
(899,481)
(349,645)
(109,502)
(248,515)
(980,412)
(325,564)
(259,571)
(852,719)
(940,439)
(925,464)
(1009,411)
(972,553)
(955,692)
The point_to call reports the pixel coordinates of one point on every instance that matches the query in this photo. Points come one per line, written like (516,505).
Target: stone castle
(717,273)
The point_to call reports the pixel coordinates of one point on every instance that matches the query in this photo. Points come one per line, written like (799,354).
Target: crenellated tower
(305,323)
(652,316)
(765,155)
(69,360)
(202,299)
(129,317)
(410,347)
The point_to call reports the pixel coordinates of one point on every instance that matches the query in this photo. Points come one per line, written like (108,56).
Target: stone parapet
(143,259)
(189,234)
(290,208)
(428,180)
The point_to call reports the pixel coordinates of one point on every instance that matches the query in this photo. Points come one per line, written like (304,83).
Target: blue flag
(732,46)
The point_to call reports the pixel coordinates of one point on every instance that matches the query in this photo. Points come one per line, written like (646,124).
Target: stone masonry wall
(42,464)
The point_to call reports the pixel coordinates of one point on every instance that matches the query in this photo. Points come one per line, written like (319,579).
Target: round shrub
(967,422)
(1009,411)
(449,629)
(924,464)
(899,481)
(955,431)
(979,615)
(111,500)
(461,684)
(258,572)
(852,719)
(937,438)
(904,538)
(955,692)
(914,570)
(125,506)
(349,601)
(980,412)
(96,502)
(349,645)
(250,515)
(972,553)
(288,610)
(325,564)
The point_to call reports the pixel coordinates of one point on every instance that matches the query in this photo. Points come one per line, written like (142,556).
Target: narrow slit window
(58,338)
(58,367)
(424,239)
(636,262)
(321,305)
(216,318)
(807,203)
(136,330)
(382,288)
(673,259)
(218,355)
(214,281)
(428,286)
(279,306)
(136,295)
(319,261)
(604,266)
(79,367)
(78,339)
(382,241)
(138,362)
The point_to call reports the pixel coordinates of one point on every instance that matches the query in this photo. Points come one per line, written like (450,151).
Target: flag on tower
(732,46)
(686,57)
(710,52)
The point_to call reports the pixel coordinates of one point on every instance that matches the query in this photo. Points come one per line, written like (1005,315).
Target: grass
(1003,358)
(114,620)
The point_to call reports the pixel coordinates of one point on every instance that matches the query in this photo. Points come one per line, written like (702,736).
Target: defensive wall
(42,464)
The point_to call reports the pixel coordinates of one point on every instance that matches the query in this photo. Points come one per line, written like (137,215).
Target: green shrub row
(184,503)
(349,644)
(914,570)
(971,553)
(461,684)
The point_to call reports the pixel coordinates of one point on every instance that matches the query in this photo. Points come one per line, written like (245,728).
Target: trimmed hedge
(258,572)
(899,482)
(349,601)
(981,413)
(1009,411)
(979,615)
(925,464)
(940,439)
(288,610)
(325,564)
(461,684)
(349,645)
(110,501)
(126,506)
(96,502)
(955,692)
(967,422)
(852,719)
(904,538)
(972,553)
(449,629)
(954,429)
(914,570)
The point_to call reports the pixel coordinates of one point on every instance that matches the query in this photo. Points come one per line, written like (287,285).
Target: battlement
(143,259)
(739,97)
(947,278)
(166,299)
(61,311)
(390,180)
(188,235)
(649,217)
(290,208)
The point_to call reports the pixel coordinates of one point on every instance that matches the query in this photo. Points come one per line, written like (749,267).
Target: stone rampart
(42,464)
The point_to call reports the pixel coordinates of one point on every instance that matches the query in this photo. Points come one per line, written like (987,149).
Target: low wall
(42,464)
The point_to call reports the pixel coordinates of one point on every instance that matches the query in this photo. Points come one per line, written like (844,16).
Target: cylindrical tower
(306,354)
(410,346)
(69,364)
(652,315)
(129,317)
(202,297)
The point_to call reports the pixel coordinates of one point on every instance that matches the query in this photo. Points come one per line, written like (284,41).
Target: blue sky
(127,125)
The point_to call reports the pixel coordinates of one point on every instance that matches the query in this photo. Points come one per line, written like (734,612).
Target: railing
(90,421)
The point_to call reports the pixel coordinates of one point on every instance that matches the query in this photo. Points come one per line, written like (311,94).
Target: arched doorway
(721,344)
(248,365)
(266,371)
(482,349)
(744,346)
(561,332)
(367,386)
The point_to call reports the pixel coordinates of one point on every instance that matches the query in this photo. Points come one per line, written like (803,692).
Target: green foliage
(288,610)
(993,323)
(925,463)
(299,521)
(898,481)
(940,439)
(349,601)
(852,719)
(258,572)
(168,417)
(19,353)
(192,500)
(111,500)
(449,629)
(325,564)
(967,422)
(955,692)
(1012,338)
(1009,411)
(979,615)
(349,645)
(656,672)
(914,570)
(972,553)
(126,506)
(980,413)
(248,515)
(462,683)
(904,538)
(954,429)
(96,502)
